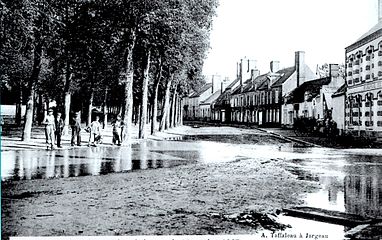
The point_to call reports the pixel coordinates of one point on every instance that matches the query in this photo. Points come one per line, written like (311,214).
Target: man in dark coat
(59,128)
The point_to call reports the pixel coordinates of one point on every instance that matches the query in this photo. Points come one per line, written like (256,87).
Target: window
(356,71)
(379,123)
(276,96)
(367,67)
(379,63)
(379,103)
(368,104)
(356,80)
(368,58)
(350,65)
(367,77)
(350,82)
(372,65)
(350,73)
(379,53)
(379,73)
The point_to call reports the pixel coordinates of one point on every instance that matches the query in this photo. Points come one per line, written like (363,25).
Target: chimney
(241,72)
(212,89)
(334,70)
(379,10)
(254,73)
(275,66)
(237,70)
(221,87)
(300,67)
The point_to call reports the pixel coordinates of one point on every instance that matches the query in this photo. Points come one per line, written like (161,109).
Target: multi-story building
(363,107)
(196,106)
(221,108)
(299,74)
(259,99)
(313,98)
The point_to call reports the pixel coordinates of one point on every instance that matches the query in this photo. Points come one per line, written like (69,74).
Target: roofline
(364,40)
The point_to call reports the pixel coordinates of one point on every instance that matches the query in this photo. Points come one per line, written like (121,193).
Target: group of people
(54,127)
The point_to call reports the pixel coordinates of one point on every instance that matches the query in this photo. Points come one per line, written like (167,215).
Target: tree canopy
(78,47)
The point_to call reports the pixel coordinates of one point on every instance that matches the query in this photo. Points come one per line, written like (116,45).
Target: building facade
(363,104)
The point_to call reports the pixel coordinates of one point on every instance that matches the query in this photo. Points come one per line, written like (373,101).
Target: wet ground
(350,180)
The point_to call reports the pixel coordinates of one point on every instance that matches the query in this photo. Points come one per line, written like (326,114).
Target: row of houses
(353,99)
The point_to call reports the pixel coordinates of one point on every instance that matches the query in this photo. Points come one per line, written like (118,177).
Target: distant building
(364,82)
(221,108)
(290,79)
(197,105)
(206,106)
(313,99)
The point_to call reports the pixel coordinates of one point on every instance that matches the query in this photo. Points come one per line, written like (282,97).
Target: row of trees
(138,53)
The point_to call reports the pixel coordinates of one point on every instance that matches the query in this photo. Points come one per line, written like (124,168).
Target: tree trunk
(166,107)
(28,117)
(105,110)
(45,106)
(129,77)
(90,107)
(67,113)
(155,99)
(181,112)
(26,136)
(173,110)
(67,101)
(177,111)
(143,115)
(19,107)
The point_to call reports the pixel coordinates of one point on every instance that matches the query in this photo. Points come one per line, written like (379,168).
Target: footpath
(11,138)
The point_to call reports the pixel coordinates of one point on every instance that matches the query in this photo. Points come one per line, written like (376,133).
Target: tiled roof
(232,83)
(286,73)
(313,87)
(211,98)
(225,96)
(250,86)
(204,88)
(237,90)
(340,91)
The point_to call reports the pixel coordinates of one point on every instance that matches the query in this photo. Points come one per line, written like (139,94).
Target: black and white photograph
(191,119)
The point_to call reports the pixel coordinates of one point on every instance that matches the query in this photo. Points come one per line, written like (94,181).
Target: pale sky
(266,30)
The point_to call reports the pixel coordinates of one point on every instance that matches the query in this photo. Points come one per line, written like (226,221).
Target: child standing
(95,132)
(49,129)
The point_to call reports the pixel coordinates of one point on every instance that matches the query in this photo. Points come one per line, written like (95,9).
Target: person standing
(117,131)
(76,129)
(59,128)
(49,129)
(95,132)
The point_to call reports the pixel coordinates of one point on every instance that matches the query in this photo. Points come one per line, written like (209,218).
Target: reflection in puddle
(26,165)
(350,183)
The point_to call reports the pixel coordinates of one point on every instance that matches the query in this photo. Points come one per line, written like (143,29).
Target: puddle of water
(350,181)
(26,165)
